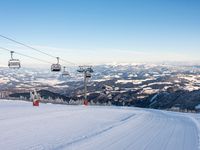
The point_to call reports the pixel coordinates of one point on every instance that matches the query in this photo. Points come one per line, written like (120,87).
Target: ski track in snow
(50,127)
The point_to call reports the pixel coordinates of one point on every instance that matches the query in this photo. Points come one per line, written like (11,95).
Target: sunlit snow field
(51,126)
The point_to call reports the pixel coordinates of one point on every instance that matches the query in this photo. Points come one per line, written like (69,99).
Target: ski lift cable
(33,58)
(68,62)
(2,48)
(30,47)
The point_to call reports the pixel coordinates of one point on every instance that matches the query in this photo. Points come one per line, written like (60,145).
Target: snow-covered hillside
(50,126)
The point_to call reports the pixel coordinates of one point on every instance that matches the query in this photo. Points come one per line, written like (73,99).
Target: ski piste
(95,127)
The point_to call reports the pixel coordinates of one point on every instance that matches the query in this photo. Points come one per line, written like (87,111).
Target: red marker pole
(85,102)
(36,102)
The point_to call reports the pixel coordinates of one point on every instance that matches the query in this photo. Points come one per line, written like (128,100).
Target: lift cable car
(56,67)
(87,70)
(13,63)
(65,73)
(88,74)
(90,70)
(81,69)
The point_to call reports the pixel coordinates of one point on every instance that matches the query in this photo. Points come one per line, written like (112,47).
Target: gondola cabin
(14,64)
(89,69)
(88,75)
(55,67)
(65,73)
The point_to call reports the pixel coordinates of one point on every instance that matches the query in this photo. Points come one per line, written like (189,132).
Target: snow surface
(53,126)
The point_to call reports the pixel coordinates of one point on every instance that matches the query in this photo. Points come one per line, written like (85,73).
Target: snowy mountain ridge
(129,85)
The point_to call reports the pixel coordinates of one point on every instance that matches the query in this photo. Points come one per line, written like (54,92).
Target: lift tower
(86,70)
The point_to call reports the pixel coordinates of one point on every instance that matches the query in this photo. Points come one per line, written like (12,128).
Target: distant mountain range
(144,85)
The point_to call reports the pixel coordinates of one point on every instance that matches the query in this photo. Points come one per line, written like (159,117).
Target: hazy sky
(101,31)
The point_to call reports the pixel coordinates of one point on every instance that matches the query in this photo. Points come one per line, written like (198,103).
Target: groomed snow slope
(50,126)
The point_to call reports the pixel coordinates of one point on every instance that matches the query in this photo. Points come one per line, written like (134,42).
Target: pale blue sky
(102,31)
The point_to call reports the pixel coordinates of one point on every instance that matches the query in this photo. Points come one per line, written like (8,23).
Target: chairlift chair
(14,63)
(56,67)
